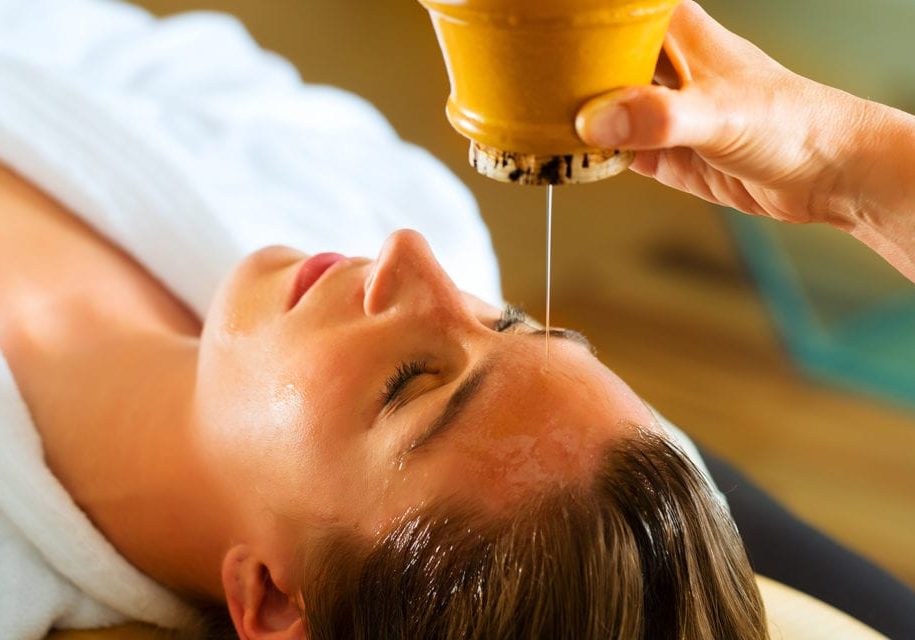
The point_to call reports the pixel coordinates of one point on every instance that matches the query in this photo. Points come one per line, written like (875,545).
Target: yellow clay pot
(521,69)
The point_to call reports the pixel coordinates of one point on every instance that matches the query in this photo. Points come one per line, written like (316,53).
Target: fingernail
(604,125)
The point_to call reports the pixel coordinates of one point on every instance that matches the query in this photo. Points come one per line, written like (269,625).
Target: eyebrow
(470,388)
(566,334)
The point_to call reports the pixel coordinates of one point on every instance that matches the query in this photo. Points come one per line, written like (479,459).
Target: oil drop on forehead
(549,265)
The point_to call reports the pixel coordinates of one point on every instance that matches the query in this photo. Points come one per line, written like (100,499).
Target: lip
(310,272)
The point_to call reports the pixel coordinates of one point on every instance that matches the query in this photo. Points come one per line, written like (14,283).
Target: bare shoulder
(35,230)
(50,259)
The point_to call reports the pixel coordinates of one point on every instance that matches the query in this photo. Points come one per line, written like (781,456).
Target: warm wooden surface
(796,616)
(651,276)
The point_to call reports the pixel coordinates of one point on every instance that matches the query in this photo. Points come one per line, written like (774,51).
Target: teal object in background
(844,315)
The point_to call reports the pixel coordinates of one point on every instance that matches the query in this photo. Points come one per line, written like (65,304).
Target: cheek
(254,419)
(255,292)
(290,409)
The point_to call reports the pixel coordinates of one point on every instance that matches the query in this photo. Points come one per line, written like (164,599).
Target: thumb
(650,117)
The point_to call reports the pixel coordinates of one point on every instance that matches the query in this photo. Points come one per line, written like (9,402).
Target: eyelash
(405,372)
(511,315)
(409,369)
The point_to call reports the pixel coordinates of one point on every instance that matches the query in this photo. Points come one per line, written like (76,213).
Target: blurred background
(788,351)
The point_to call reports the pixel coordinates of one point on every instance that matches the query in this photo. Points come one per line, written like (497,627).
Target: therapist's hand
(730,125)
(727,123)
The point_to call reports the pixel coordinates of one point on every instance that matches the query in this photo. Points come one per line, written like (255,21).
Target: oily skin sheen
(290,403)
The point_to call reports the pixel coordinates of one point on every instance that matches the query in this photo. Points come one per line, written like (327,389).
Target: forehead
(533,423)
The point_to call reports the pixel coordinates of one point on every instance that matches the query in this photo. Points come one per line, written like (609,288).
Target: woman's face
(383,388)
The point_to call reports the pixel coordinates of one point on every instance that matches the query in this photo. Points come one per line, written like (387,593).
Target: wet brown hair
(644,551)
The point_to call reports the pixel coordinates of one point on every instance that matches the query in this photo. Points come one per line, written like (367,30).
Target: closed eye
(398,382)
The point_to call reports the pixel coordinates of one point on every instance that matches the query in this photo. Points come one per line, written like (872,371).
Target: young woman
(325,445)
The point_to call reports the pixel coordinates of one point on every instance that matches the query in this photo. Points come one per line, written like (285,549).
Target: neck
(140,474)
(155,496)
(105,359)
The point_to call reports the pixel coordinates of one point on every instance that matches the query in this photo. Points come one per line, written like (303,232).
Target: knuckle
(663,121)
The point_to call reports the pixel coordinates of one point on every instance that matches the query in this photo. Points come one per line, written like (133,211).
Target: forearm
(874,198)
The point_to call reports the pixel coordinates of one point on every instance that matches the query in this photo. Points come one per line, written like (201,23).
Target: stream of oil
(549,266)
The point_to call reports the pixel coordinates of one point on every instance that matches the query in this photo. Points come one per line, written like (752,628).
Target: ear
(259,609)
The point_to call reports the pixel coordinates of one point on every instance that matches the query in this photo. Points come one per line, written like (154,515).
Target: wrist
(873,191)
(874,167)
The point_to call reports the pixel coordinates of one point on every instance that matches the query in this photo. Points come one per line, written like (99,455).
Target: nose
(407,276)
